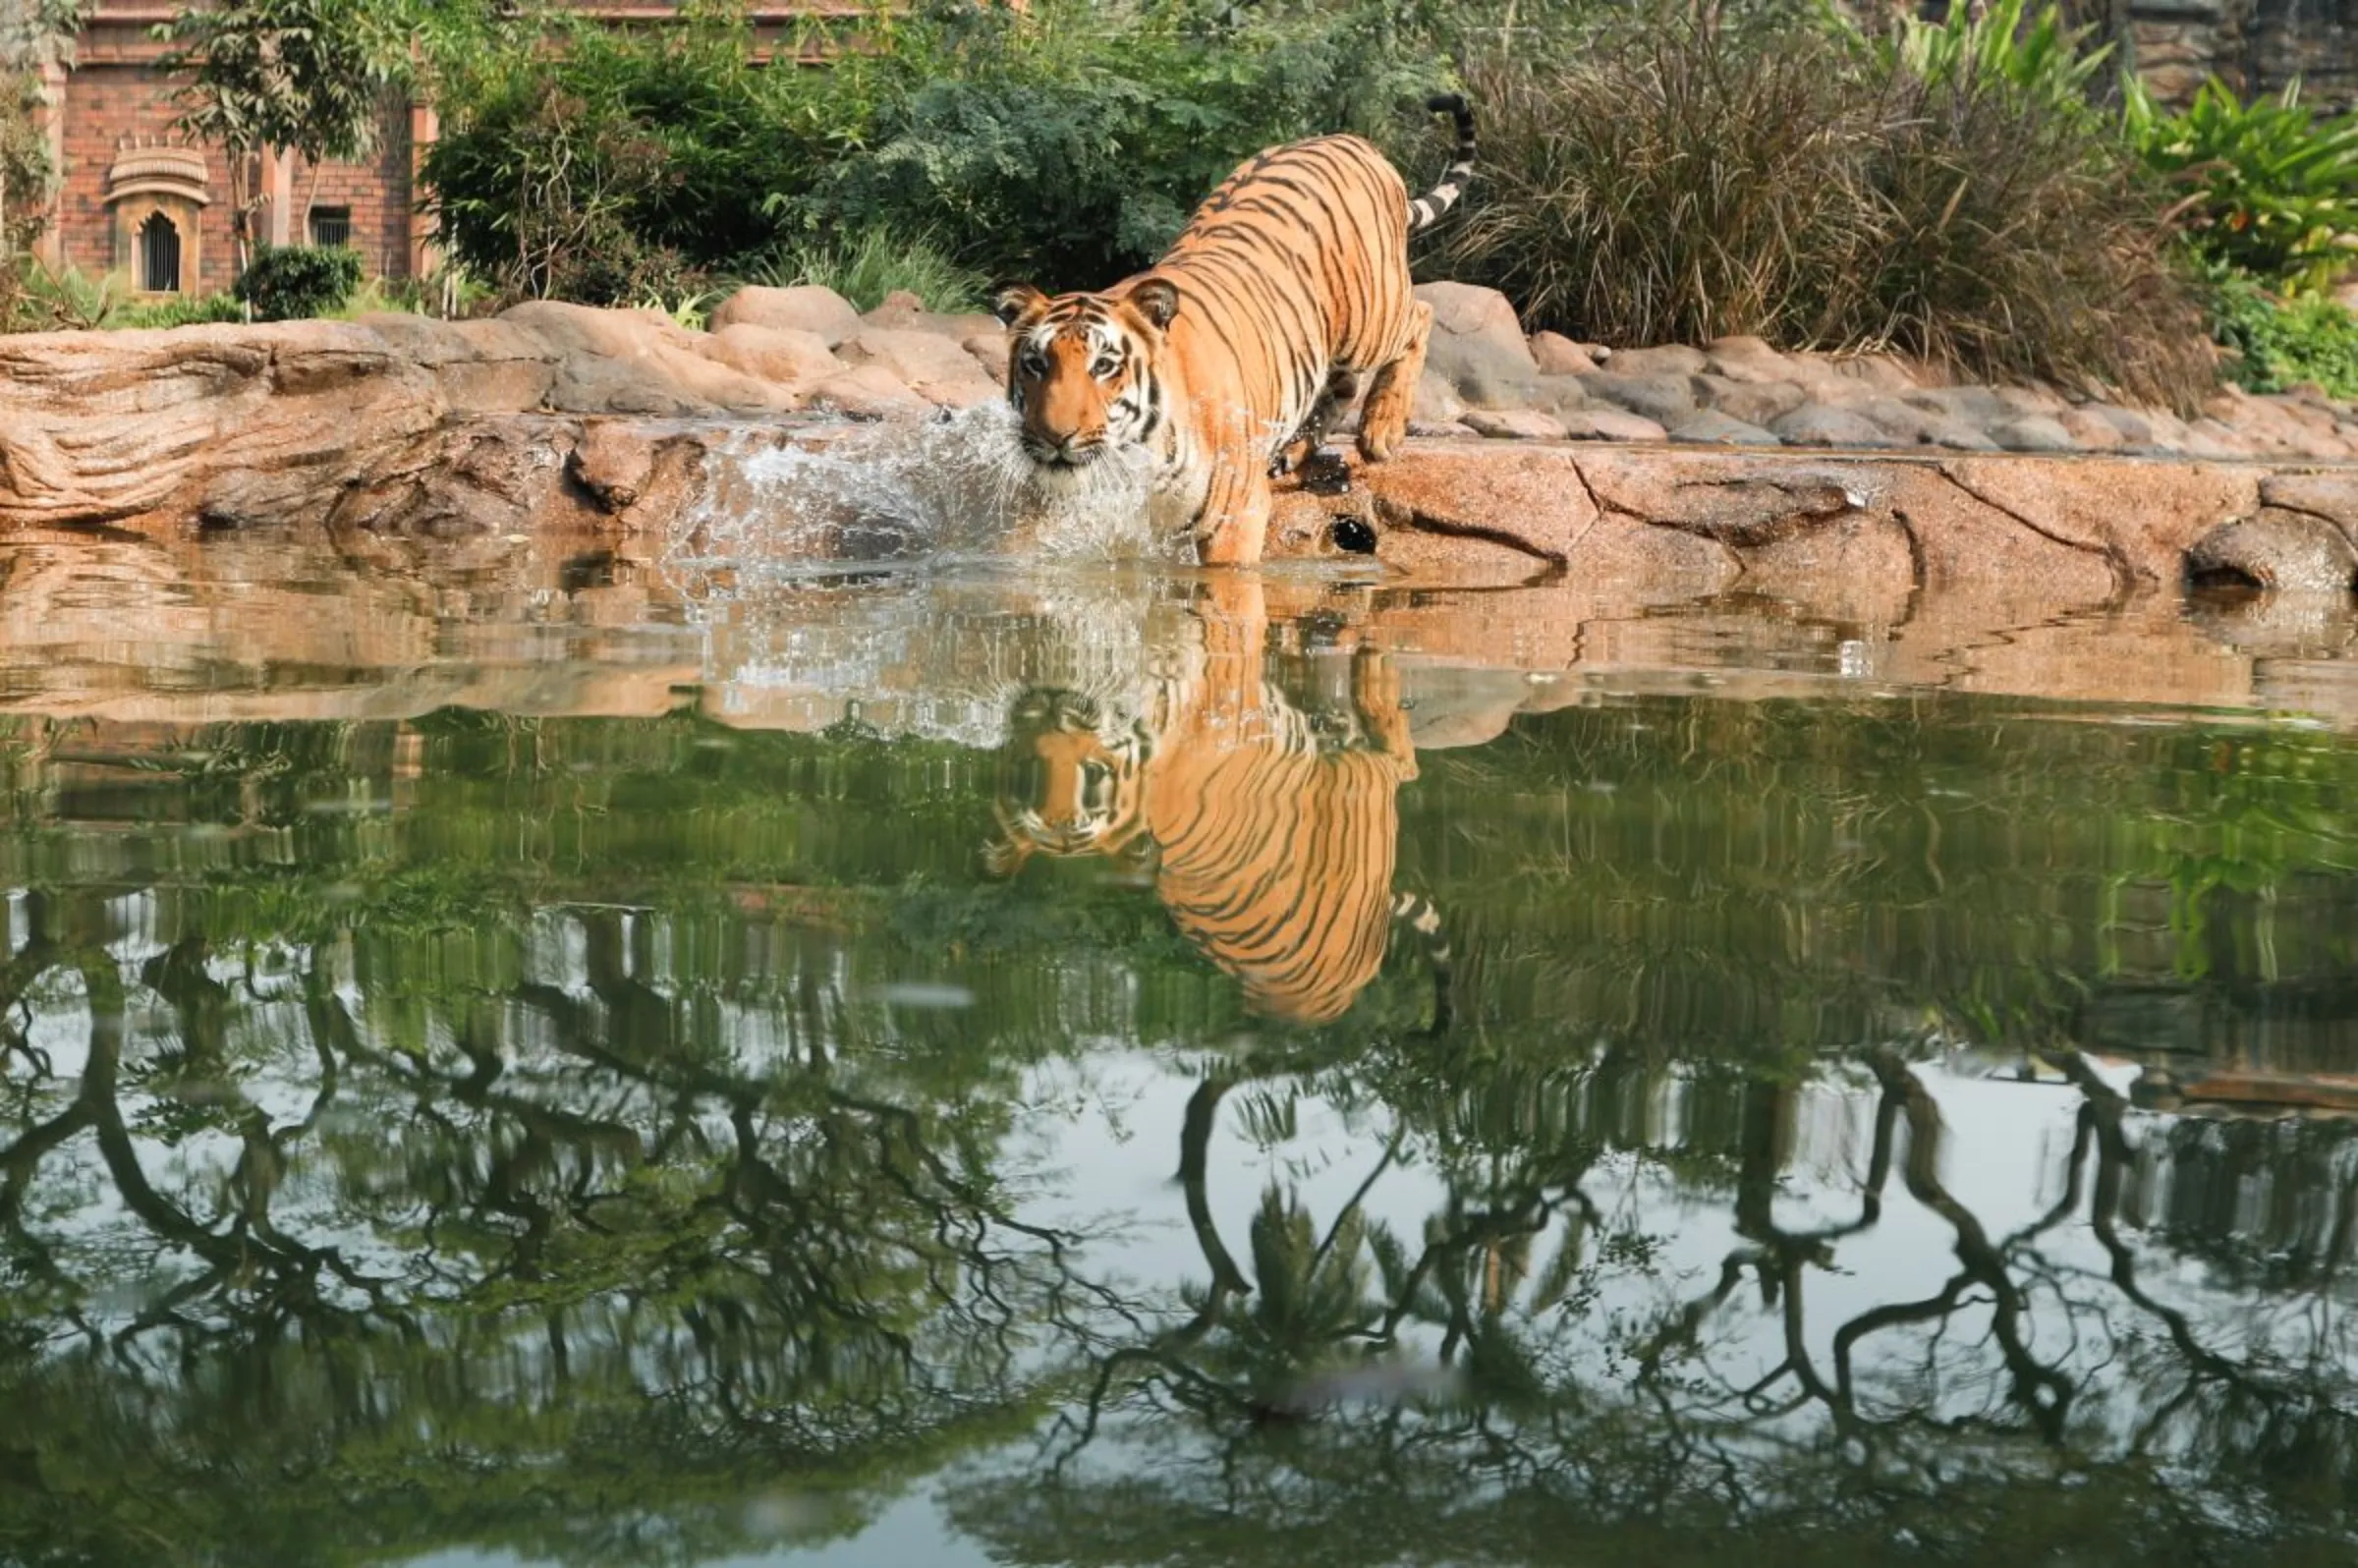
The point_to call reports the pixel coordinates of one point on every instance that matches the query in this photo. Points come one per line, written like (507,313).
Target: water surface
(930,1069)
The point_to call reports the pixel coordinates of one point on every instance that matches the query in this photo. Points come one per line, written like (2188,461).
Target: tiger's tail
(1416,911)
(1427,210)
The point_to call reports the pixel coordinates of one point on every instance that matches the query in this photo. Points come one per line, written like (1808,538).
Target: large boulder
(231,423)
(803,308)
(784,354)
(927,364)
(1477,344)
(639,361)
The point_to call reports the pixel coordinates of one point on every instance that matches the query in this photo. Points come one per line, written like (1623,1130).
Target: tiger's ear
(1157,300)
(1012,301)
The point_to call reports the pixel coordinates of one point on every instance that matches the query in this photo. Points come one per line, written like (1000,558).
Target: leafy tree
(31,36)
(266,76)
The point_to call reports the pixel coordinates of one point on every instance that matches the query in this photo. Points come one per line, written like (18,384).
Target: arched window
(159,254)
(157,196)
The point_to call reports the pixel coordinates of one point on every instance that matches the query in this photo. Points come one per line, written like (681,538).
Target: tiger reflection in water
(1271,831)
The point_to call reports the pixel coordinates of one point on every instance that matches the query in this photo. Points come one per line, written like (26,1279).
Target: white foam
(953,489)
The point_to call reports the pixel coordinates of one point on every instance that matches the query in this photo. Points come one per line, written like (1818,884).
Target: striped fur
(1272,851)
(1286,296)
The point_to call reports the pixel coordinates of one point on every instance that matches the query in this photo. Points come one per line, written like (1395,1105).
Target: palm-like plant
(2271,189)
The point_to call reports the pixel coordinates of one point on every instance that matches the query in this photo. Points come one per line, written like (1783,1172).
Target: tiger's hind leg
(1306,454)
(1383,422)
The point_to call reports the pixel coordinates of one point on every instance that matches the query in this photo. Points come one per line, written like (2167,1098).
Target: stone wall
(2254,46)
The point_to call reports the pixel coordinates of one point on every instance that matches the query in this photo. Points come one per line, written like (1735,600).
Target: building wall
(2253,46)
(116,98)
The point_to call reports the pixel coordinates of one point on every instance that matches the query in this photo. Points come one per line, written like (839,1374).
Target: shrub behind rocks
(1679,177)
(295,282)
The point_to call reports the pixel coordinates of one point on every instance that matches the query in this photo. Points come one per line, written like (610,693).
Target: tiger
(1227,361)
(1272,844)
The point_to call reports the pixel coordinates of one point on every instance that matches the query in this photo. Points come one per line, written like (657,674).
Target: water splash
(956,489)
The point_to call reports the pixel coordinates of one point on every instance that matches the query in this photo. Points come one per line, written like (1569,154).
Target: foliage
(620,164)
(2281,343)
(873,262)
(44,298)
(180,309)
(1067,141)
(1675,177)
(2047,62)
(2271,189)
(271,75)
(294,281)
(32,35)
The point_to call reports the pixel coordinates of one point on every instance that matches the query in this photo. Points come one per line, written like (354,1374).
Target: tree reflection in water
(636,1141)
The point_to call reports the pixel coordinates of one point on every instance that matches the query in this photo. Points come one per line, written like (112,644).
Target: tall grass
(1679,176)
(875,262)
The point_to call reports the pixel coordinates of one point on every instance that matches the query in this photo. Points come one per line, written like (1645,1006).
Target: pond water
(1148,1071)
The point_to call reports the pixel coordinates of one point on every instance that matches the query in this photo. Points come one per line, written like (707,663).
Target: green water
(1837,1128)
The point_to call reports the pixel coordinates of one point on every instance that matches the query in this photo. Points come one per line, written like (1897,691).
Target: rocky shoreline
(441,444)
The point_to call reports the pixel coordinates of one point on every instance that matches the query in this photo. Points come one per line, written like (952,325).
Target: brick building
(134,197)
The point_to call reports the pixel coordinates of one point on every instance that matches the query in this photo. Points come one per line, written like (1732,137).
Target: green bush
(2282,343)
(2271,189)
(1674,177)
(296,282)
(623,162)
(186,309)
(1067,141)
(873,262)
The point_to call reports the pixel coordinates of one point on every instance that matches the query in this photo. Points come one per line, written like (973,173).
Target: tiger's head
(1081,369)
(1066,786)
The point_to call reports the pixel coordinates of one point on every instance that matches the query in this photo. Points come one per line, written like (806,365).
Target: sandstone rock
(1978,406)
(932,366)
(1756,403)
(990,352)
(1664,399)
(1557,355)
(1711,427)
(637,361)
(1877,372)
(2089,431)
(805,308)
(2033,432)
(1914,426)
(904,311)
(2332,496)
(480,366)
(2135,428)
(1440,430)
(241,424)
(1747,360)
(1515,424)
(2207,438)
(784,354)
(613,462)
(1558,395)
(1816,425)
(2276,549)
(1477,344)
(867,392)
(1668,360)
(1611,424)
(2029,400)
(1436,401)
